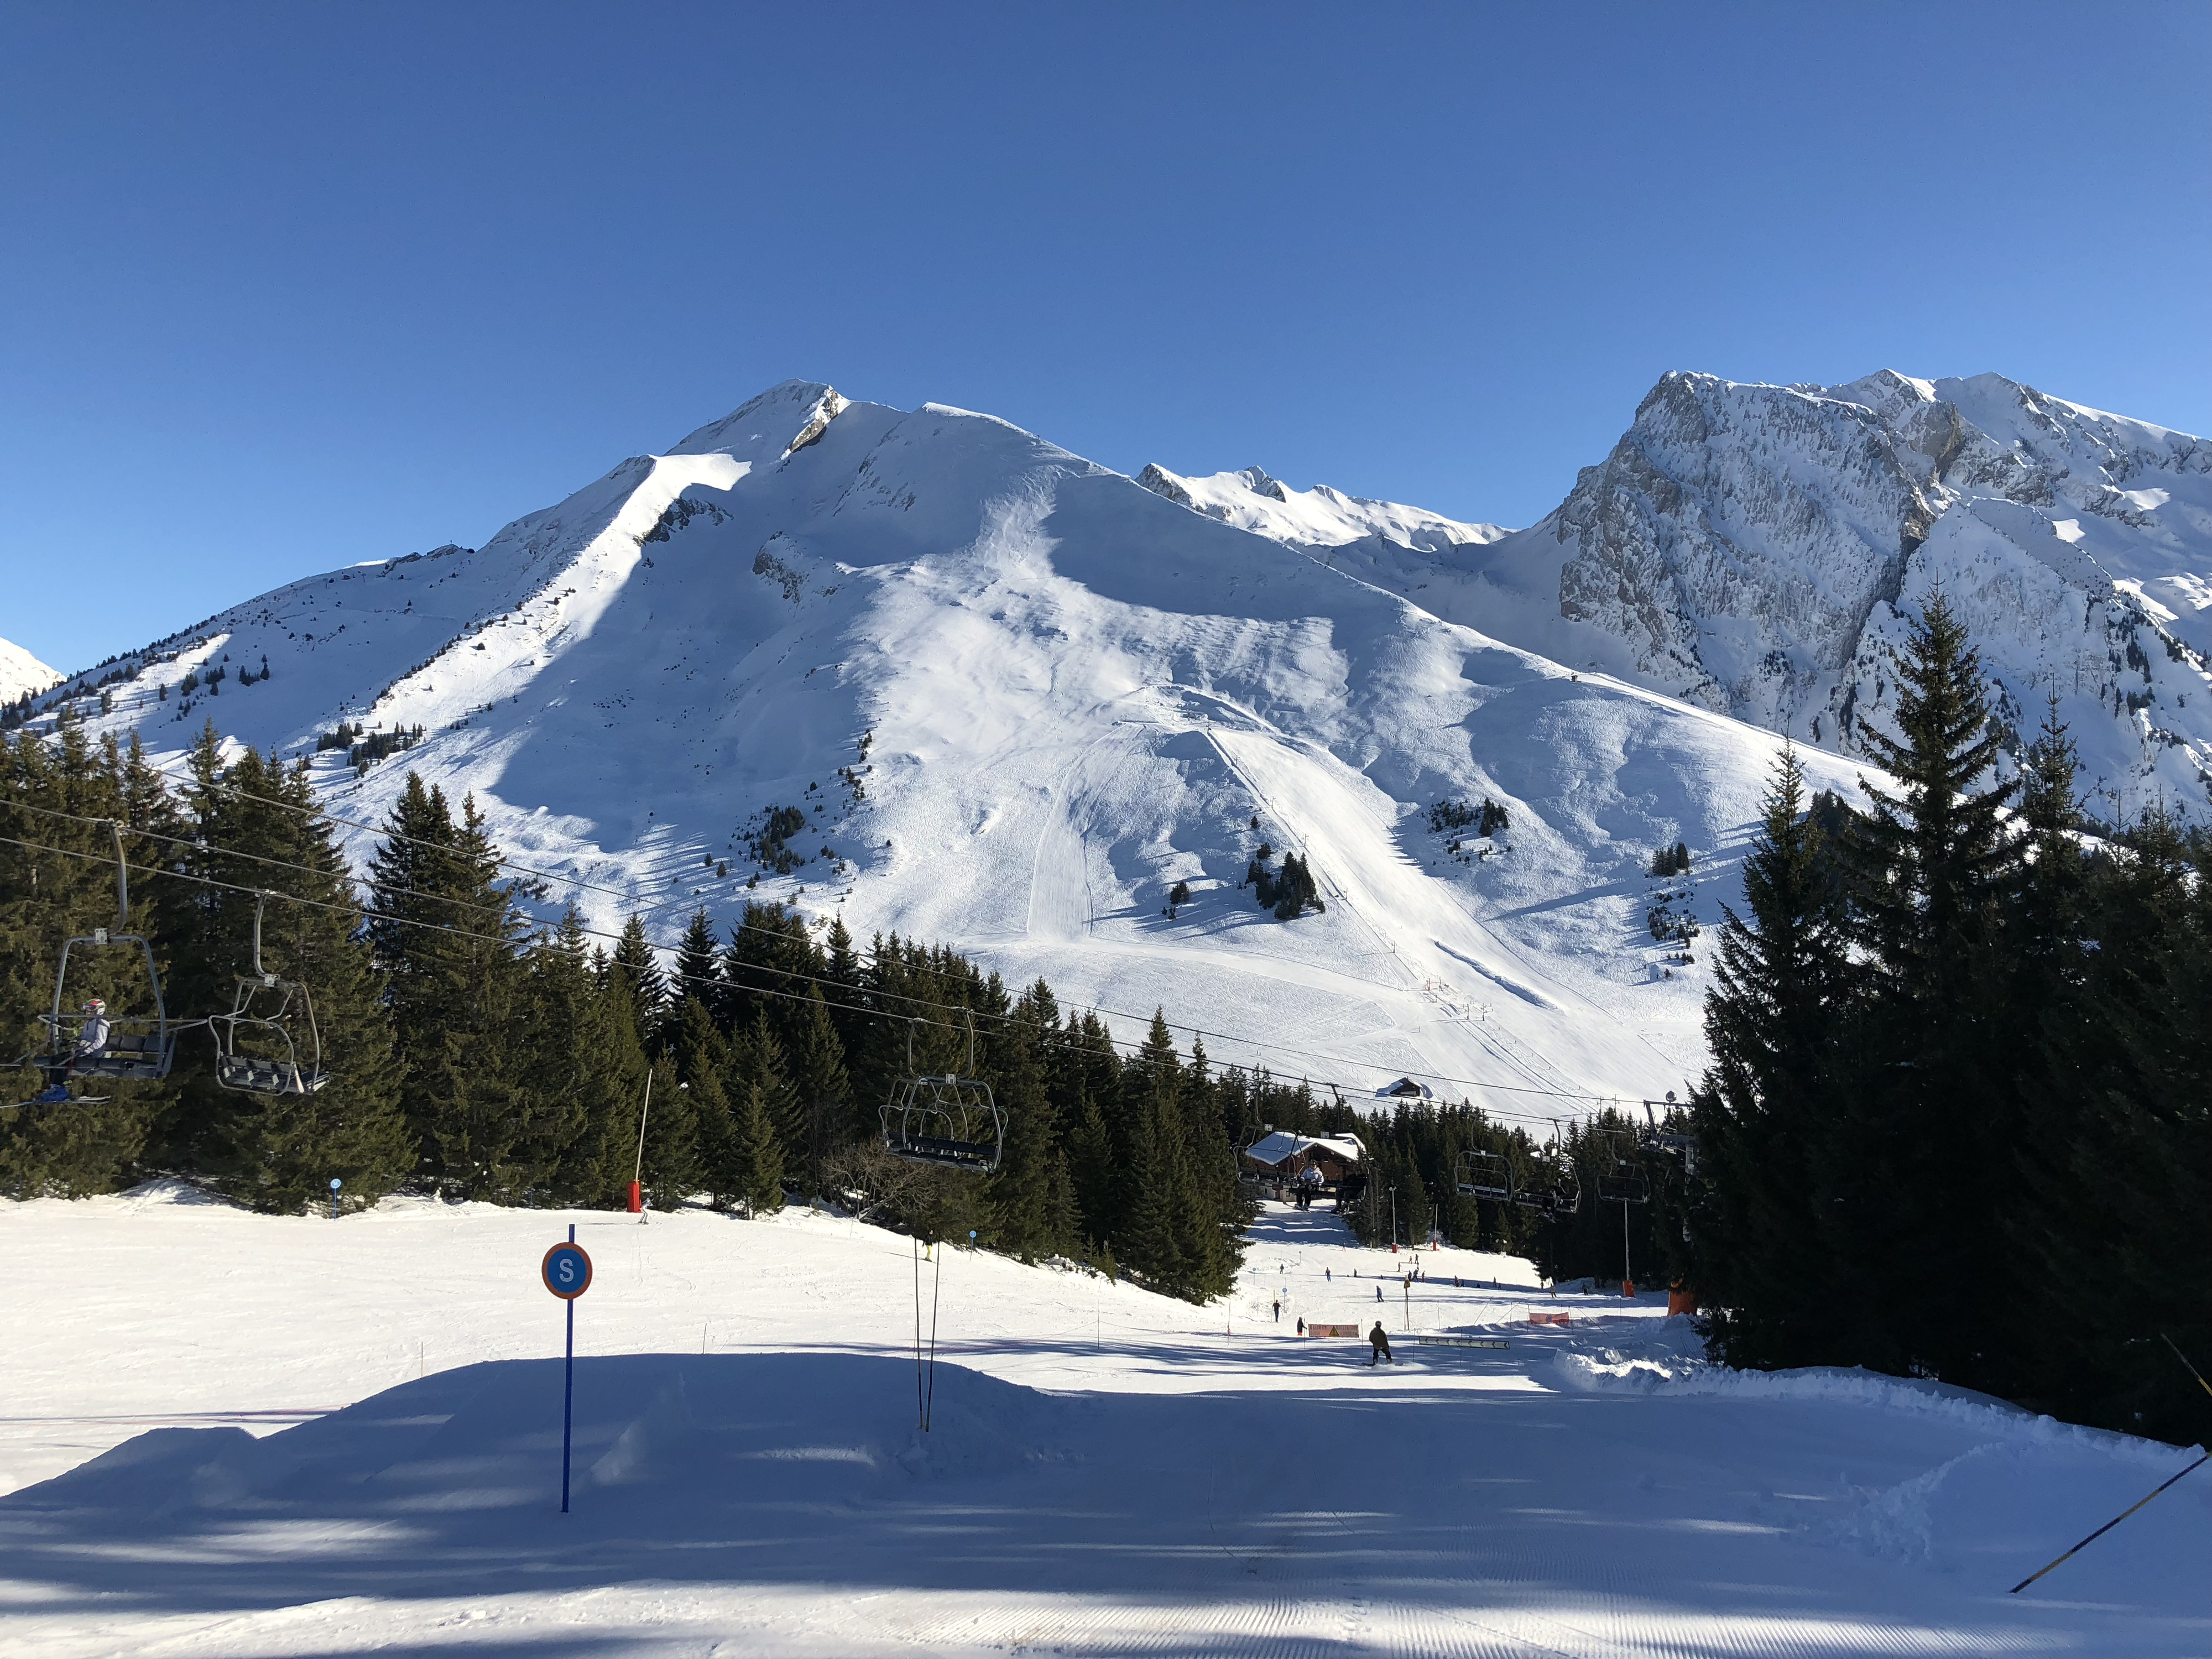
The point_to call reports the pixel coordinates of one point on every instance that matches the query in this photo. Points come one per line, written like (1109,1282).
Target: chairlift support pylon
(137,1049)
(271,1074)
(950,1120)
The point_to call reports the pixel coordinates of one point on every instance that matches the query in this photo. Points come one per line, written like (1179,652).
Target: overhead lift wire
(923,1002)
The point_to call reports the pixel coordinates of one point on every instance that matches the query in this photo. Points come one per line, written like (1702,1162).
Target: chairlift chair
(1556,1187)
(138,1048)
(950,1120)
(1481,1173)
(1673,1142)
(1620,1179)
(270,1073)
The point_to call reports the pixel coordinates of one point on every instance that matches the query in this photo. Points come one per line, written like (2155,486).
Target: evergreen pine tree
(1763,1114)
(757,1061)
(825,1089)
(638,970)
(754,1174)
(443,935)
(698,972)
(1930,1116)
(566,1087)
(1020,1199)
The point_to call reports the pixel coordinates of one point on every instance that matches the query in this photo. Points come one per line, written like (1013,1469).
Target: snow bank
(1687,1376)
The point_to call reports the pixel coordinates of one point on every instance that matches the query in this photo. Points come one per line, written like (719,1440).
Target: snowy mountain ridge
(1758,549)
(1317,518)
(22,673)
(1017,699)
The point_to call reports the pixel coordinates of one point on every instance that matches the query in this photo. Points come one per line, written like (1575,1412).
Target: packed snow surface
(246,1436)
(21,672)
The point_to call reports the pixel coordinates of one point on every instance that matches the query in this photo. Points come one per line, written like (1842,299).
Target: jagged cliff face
(1758,548)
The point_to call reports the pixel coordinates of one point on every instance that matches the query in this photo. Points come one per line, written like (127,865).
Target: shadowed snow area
(1106,1472)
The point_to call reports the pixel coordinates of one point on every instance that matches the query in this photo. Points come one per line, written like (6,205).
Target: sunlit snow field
(238,1435)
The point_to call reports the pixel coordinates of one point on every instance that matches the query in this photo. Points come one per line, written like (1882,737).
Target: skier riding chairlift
(96,1048)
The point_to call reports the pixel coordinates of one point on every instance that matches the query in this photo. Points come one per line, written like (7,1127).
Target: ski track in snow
(1110,1471)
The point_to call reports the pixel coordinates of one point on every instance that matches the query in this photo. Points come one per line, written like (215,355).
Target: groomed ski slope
(308,1437)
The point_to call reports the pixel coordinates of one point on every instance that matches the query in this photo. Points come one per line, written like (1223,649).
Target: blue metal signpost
(567,1272)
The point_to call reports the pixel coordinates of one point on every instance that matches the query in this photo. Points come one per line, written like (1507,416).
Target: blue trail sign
(567,1272)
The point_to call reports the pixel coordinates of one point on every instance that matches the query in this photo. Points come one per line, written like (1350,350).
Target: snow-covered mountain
(1756,549)
(21,672)
(1317,518)
(1017,698)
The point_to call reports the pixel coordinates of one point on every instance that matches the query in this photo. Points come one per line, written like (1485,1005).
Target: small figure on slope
(1381,1344)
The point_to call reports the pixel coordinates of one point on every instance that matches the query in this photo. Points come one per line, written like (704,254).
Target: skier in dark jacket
(1381,1344)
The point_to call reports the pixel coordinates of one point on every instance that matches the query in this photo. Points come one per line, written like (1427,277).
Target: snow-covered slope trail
(312,1437)
(1017,698)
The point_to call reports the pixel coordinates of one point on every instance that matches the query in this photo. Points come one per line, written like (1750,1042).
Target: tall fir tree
(1930,1114)
(445,933)
(1762,1248)
(638,969)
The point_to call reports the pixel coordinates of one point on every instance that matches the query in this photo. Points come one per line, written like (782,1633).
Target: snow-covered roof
(1403,1089)
(1283,1145)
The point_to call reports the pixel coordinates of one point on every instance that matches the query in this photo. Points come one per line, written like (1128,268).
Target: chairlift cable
(633,899)
(1133,1045)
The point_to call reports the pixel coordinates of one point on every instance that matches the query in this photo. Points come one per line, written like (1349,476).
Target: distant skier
(1328,1274)
(1302,1324)
(1378,1292)
(1279,1310)
(1381,1344)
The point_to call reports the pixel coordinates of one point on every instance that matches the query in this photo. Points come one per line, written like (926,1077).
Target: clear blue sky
(288,287)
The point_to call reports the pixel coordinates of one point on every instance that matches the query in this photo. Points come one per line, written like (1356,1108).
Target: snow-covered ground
(308,1437)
